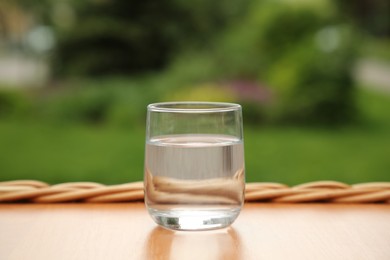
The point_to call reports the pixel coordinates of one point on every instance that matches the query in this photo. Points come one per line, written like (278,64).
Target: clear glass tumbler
(194,164)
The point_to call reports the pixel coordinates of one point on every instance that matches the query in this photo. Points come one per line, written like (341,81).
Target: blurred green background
(313,78)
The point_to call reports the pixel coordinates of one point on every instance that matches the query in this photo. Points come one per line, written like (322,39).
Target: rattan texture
(31,191)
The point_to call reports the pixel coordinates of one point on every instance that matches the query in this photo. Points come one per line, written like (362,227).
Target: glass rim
(193,107)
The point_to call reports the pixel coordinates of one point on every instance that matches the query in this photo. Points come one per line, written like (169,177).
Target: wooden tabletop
(262,231)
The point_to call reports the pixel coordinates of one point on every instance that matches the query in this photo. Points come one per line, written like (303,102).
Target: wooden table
(262,231)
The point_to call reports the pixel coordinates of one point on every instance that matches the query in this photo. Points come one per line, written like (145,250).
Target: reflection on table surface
(215,244)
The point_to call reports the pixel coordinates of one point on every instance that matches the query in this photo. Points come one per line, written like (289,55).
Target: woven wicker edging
(90,192)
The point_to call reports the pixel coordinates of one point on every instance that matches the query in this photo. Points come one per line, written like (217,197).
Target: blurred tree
(372,16)
(303,51)
(125,37)
(115,37)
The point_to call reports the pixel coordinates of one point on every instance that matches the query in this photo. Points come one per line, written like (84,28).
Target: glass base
(184,219)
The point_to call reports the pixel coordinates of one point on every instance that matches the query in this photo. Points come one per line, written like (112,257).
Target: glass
(194,164)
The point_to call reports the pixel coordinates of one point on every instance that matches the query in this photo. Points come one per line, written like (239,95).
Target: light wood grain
(262,231)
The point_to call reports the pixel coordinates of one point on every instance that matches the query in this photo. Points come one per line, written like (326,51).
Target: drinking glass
(194,164)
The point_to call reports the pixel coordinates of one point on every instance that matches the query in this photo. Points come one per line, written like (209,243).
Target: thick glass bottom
(193,219)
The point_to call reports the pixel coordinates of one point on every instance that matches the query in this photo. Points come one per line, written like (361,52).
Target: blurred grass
(59,153)
(70,153)
(350,154)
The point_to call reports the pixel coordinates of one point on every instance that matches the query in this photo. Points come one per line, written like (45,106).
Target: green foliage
(112,38)
(370,16)
(127,37)
(313,86)
(303,51)
(254,113)
(87,105)
(378,49)
(116,102)
(13,103)
(204,92)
